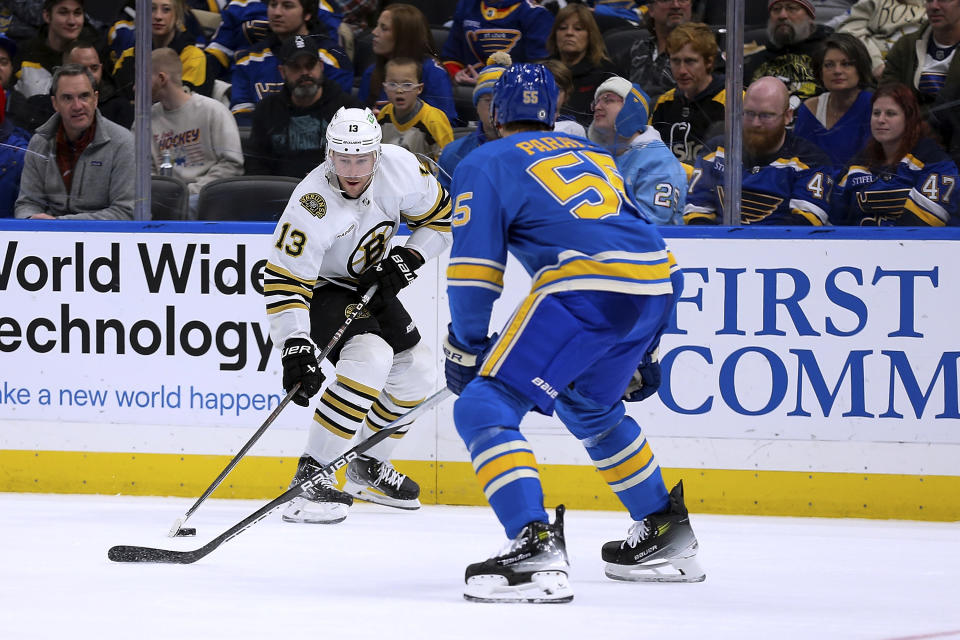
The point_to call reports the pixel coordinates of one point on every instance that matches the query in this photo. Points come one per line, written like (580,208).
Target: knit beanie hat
(805,3)
(614,84)
(634,114)
(496,65)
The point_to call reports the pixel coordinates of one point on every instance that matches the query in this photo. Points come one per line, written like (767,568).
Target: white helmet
(354,131)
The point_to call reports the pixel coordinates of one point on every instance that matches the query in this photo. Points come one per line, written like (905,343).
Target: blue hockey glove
(393,273)
(646,379)
(300,365)
(462,363)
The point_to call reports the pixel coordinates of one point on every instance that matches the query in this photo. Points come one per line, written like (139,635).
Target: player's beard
(760,142)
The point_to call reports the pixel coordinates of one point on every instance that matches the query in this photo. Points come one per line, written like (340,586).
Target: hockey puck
(186,532)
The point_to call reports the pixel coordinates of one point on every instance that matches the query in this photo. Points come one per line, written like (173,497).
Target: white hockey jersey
(323,236)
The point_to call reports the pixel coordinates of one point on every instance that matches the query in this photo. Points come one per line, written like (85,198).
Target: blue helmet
(525,92)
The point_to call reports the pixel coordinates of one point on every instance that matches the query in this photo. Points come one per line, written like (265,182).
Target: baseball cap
(296,46)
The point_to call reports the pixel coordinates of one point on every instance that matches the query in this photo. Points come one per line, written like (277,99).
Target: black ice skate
(532,568)
(660,548)
(321,504)
(377,481)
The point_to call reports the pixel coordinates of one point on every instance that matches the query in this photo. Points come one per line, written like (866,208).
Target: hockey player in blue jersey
(604,287)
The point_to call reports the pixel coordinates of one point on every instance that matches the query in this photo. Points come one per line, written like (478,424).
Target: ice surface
(392,575)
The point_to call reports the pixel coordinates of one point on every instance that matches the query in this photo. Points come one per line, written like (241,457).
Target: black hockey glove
(463,363)
(300,365)
(392,273)
(646,379)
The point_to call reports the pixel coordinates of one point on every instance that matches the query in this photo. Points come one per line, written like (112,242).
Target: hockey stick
(177,528)
(126,553)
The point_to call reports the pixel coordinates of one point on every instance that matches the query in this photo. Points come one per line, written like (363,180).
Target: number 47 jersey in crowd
(558,204)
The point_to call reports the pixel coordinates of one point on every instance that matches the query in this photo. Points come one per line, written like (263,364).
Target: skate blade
(304,511)
(672,570)
(362,492)
(545,587)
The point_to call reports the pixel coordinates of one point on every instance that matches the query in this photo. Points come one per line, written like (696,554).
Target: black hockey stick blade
(177,529)
(130,553)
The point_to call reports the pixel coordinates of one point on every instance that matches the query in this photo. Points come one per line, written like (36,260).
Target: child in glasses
(407,120)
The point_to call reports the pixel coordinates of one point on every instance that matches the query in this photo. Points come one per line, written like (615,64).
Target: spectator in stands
(407,120)
(457,150)
(927,60)
(653,176)
(693,112)
(21,18)
(38,58)
(786,180)
(944,116)
(257,72)
(880,23)
(244,24)
(79,165)
(112,104)
(838,120)
(197,132)
(8,51)
(564,79)
(20,112)
(13,148)
(289,127)
(359,15)
(575,40)
(167,29)
(793,37)
(402,31)
(122,33)
(902,178)
(646,62)
(480,27)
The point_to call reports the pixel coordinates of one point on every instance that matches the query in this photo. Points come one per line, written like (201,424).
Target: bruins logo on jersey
(315,204)
(365,313)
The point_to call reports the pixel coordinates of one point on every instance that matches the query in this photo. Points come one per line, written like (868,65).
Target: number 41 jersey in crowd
(325,236)
(558,204)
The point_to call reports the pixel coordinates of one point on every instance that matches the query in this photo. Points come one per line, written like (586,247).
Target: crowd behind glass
(850,109)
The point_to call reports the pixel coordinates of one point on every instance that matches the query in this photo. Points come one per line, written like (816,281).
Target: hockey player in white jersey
(330,245)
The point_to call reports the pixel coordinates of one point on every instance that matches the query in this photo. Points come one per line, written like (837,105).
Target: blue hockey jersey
(919,191)
(790,187)
(655,178)
(559,205)
(456,151)
(243,24)
(481,27)
(257,74)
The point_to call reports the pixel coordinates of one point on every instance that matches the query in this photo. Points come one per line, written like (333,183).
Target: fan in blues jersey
(584,338)
(653,175)
(786,180)
(902,178)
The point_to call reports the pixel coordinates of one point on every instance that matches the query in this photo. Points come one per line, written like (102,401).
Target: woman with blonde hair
(167,30)
(575,40)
